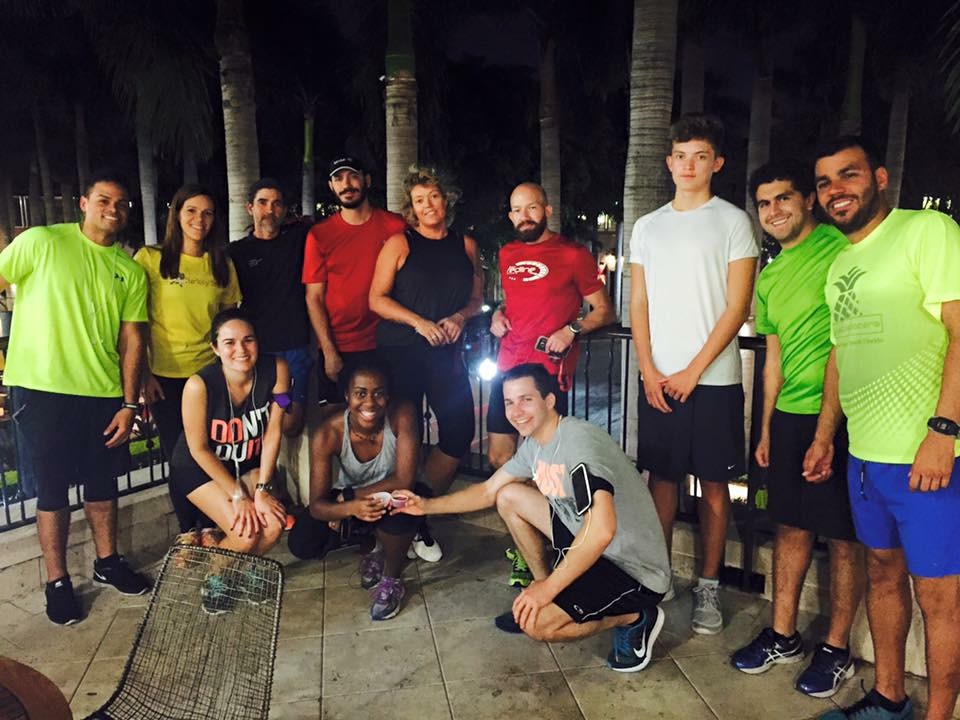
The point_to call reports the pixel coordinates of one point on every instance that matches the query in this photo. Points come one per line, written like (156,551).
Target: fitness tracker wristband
(944,426)
(129,406)
(576,327)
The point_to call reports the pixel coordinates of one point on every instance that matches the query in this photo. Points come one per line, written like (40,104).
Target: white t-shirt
(685,255)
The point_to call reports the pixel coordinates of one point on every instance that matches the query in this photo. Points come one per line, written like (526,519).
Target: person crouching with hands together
(609,568)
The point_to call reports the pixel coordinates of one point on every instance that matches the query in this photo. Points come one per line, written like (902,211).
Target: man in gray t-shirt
(609,565)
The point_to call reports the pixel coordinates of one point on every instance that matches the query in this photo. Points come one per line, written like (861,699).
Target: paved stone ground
(441,657)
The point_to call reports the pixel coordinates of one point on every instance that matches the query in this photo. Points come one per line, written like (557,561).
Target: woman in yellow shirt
(190,280)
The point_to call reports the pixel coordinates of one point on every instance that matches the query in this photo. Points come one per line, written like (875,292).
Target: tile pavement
(441,657)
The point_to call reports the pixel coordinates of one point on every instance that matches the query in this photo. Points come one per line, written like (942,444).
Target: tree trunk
(308,190)
(35,209)
(850,114)
(82,140)
(761,119)
(148,185)
(68,203)
(897,138)
(400,101)
(691,77)
(550,177)
(6,211)
(645,184)
(46,181)
(190,173)
(239,110)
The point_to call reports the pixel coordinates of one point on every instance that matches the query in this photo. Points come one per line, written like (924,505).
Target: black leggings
(439,373)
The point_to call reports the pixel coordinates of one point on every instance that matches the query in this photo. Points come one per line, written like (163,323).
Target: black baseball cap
(346,162)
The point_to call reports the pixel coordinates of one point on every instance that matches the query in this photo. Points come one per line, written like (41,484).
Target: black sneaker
(506,623)
(116,572)
(62,605)
(633,644)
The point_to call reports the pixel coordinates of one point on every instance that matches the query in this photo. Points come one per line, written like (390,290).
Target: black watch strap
(129,406)
(944,426)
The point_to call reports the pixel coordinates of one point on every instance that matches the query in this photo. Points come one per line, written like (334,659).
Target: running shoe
(424,546)
(869,708)
(826,673)
(215,598)
(707,617)
(387,597)
(520,575)
(507,624)
(633,644)
(117,573)
(371,569)
(256,587)
(62,605)
(766,651)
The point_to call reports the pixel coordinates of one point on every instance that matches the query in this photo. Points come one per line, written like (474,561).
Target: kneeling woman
(377,446)
(223,462)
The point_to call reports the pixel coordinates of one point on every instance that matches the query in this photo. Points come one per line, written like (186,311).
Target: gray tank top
(354,473)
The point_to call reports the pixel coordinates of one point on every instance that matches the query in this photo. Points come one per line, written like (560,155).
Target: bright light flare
(487,369)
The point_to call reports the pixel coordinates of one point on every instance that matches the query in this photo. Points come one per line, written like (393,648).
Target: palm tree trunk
(645,184)
(850,114)
(148,185)
(691,77)
(239,109)
(82,140)
(550,134)
(190,173)
(308,191)
(761,119)
(46,181)
(35,209)
(68,205)
(400,101)
(897,138)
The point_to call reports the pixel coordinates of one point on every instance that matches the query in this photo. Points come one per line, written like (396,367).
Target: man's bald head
(529,212)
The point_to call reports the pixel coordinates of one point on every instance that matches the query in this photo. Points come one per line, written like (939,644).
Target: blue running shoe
(633,644)
(828,669)
(387,597)
(766,651)
(215,596)
(869,708)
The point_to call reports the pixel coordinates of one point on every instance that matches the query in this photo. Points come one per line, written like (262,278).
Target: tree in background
(400,100)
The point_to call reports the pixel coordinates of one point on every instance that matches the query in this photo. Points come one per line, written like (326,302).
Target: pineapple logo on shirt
(527,270)
(848,319)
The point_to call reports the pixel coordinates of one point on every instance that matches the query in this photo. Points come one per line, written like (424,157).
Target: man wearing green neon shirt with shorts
(894,297)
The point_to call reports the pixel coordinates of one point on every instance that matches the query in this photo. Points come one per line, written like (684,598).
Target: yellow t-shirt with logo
(885,294)
(181,310)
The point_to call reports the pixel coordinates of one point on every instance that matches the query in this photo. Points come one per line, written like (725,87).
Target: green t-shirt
(72,295)
(885,294)
(791,305)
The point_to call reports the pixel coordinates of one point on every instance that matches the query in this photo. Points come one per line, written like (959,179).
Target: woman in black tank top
(232,423)
(427,284)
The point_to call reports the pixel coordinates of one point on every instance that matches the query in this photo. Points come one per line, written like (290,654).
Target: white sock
(701,582)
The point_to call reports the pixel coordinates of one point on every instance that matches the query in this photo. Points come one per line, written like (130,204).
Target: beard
(530,232)
(869,207)
(356,202)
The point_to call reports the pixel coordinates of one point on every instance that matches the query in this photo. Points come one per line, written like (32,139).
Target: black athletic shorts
(604,590)
(64,443)
(496,413)
(702,437)
(822,508)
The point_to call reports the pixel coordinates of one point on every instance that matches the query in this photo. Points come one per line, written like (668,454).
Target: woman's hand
(431,332)
(412,505)
(452,326)
(267,505)
(245,519)
(151,390)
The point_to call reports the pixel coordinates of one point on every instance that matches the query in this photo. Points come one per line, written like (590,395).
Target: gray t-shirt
(637,547)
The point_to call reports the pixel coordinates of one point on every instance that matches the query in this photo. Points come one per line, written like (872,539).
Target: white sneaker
(707,617)
(424,547)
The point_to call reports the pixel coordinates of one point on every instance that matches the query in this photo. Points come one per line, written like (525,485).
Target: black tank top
(434,282)
(236,434)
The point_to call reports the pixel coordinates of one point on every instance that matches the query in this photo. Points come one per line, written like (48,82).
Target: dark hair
(545,382)
(104,176)
(699,126)
(844,142)
(265,184)
(370,367)
(430,177)
(214,244)
(225,316)
(792,171)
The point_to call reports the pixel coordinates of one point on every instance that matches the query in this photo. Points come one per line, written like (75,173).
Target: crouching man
(608,567)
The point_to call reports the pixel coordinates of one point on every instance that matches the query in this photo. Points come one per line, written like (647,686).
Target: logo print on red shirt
(528,270)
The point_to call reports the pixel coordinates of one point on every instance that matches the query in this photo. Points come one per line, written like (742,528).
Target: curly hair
(430,176)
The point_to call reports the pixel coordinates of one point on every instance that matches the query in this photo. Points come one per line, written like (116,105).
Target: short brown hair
(430,176)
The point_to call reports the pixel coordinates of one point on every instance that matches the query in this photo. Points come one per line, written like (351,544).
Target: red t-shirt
(543,289)
(344,256)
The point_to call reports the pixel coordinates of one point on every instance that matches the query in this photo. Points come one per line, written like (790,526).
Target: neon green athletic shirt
(885,294)
(791,305)
(72,295)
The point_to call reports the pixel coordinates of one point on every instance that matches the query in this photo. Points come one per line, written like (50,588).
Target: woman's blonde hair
(430,176)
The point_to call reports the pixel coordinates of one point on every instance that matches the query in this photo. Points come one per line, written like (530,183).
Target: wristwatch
(264,487)
(944,426)
(576,327)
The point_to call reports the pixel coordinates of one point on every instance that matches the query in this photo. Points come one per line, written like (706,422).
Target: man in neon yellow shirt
(74,361)
(793,314)
(894,297)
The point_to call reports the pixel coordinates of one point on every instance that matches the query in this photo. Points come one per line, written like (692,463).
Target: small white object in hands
(383,497)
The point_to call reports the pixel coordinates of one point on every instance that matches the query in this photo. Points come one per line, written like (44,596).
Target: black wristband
(129,406)
(348,494)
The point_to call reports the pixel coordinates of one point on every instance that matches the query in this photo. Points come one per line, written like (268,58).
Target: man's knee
(886,568)
(938,597)
(508,498)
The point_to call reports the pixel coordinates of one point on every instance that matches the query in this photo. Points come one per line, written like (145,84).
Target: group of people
(861,317)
